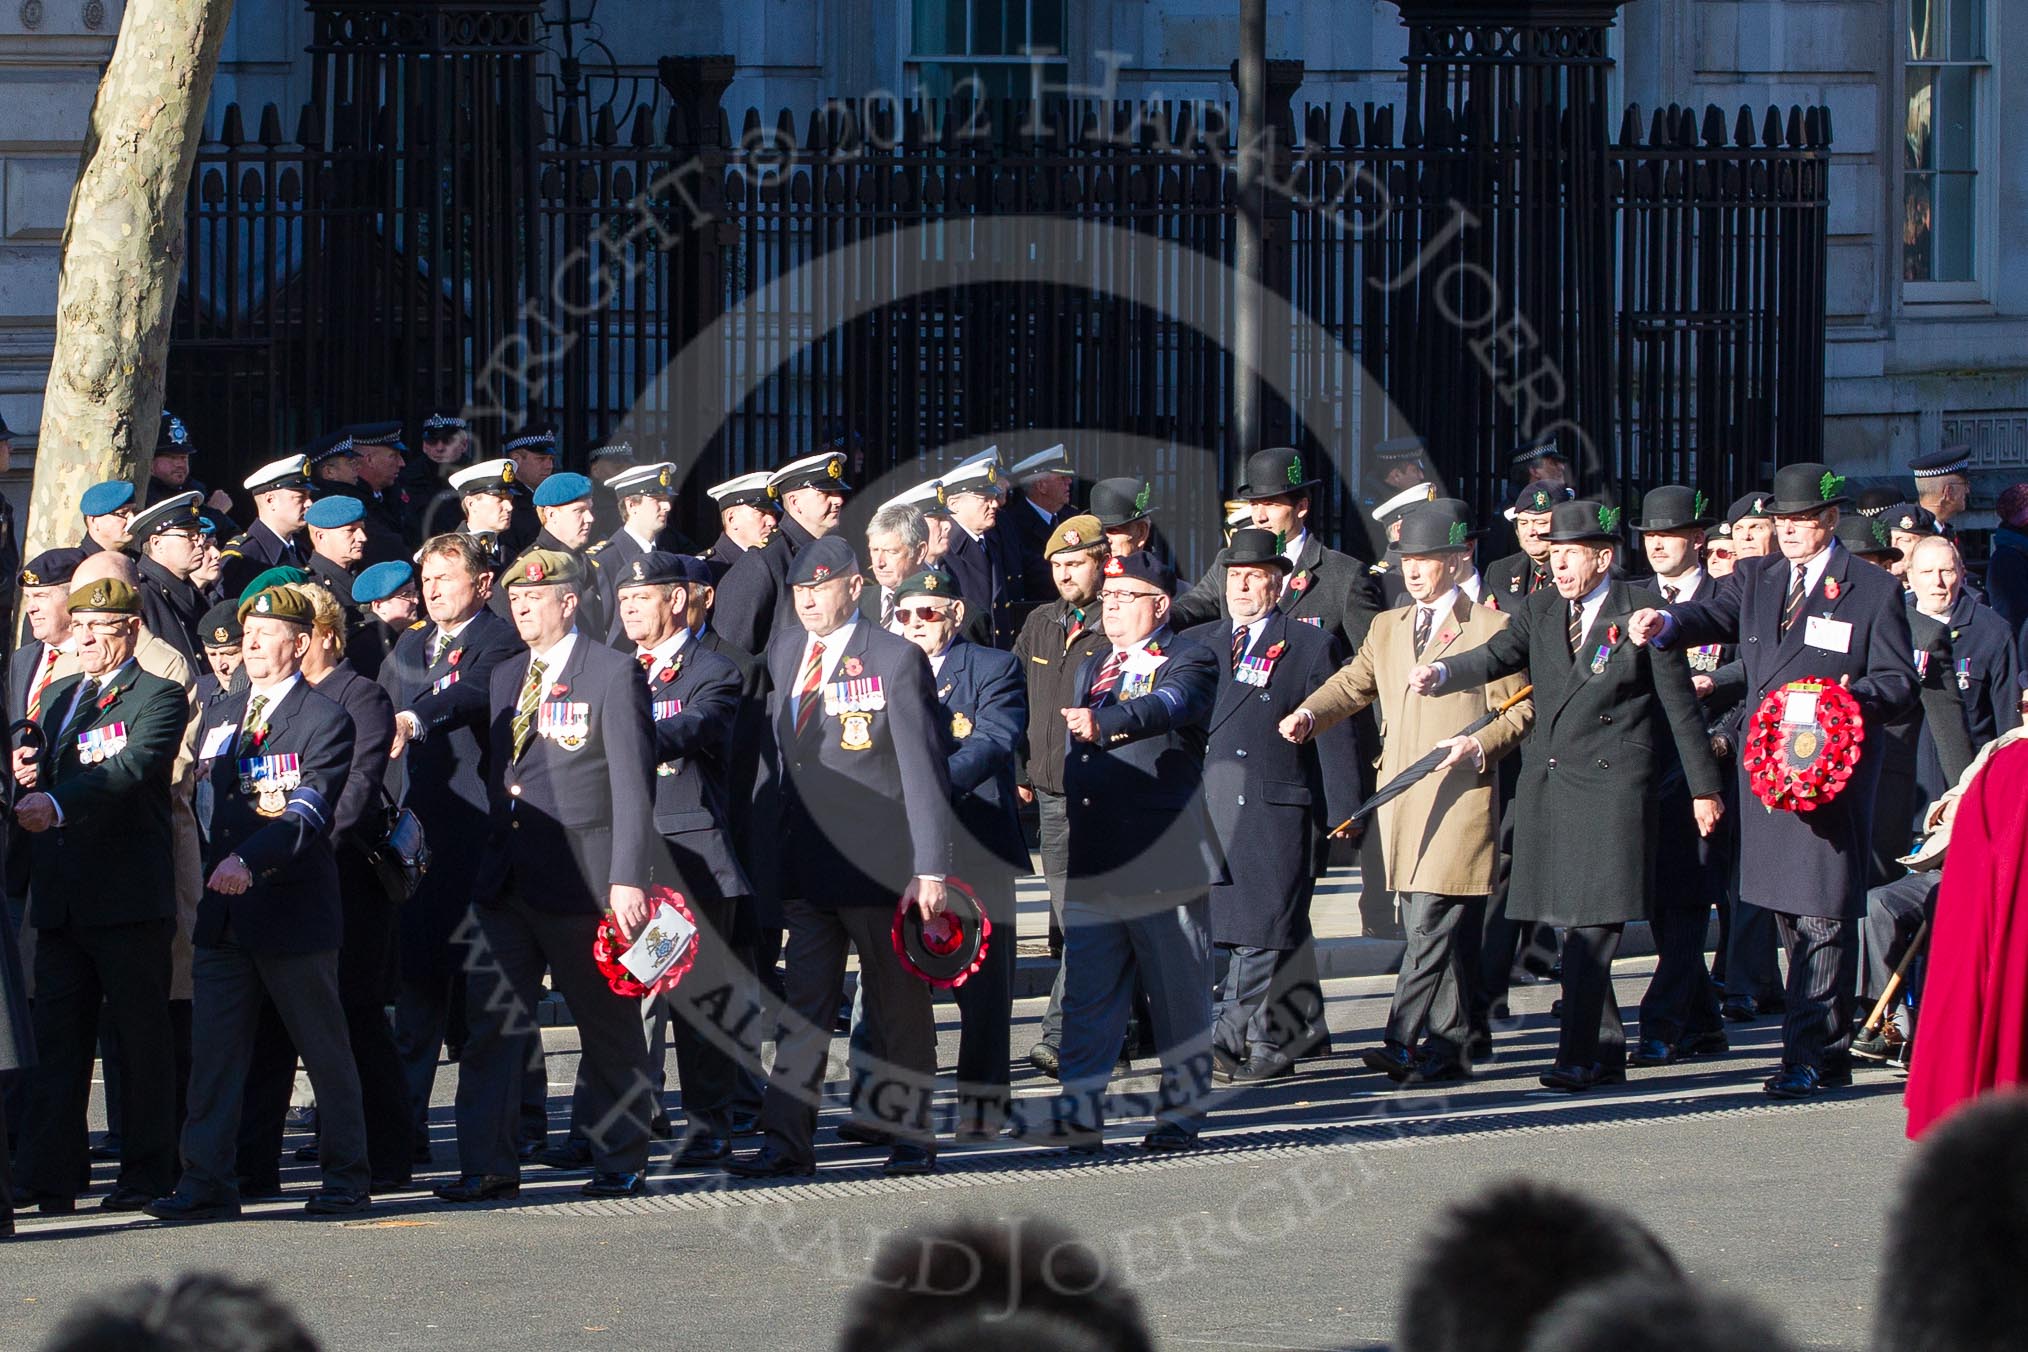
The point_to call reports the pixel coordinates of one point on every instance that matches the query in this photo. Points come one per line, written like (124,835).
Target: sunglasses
(924,614)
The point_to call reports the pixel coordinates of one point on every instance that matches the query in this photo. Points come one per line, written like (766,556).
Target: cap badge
(507,473)
(263,604)
(640,570)
(535,572)
(177,435)
(820,572)
(835,467)
(1114,568)
(929,583)
(1071,537)
(98,597)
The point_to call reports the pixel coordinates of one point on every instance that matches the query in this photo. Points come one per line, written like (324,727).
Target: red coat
(1973,1035)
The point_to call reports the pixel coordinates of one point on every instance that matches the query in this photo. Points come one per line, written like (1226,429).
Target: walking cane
(1894,982)
(1406,780)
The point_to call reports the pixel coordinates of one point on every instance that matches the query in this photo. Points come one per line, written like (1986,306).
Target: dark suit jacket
(372,713)
(568,823)
(1328,590)
(385,521)
(1810,863)
(293,905)
(695,709)
(987,572)
(1138,823)
(1967,675)
(111,862)
(752,605)
(170,607)
(327,574)
(857,825)
(1272,802)
(1584,806)
(615,556)
(985,706)
(1508,582)
(722,555)
(252,552)
(1030,535)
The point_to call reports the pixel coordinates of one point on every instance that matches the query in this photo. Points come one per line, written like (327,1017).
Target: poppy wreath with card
(608,944)
(1800,763)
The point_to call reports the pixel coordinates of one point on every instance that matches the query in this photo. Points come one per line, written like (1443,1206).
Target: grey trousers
(228,982)
(1894,912)
(1271,1001)
(1053,833)
(1430,991)
(1104,947)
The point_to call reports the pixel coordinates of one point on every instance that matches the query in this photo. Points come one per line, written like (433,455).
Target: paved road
(1292,1231)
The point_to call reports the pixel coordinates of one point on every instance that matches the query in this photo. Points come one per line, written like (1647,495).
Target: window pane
(1918,144)
(1917,219)
(1952,118)
(1955,234)
(989,27)
(1046,31)
(1967,37)
(939,26)
(1923,44)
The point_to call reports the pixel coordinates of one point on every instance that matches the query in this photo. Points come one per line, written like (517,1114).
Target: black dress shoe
(1168,1136)
(108,1148)
(306,1154)
(861,1133)
(380,1187)
(909,1159)
(661,1128)
(48,1203)
(704,1150)
(1224,1065)
(608,1183)
(126,1199)
(1263,1066)
(527,1150)
(337,1202)
(1434,1068)
(259,1189)
(1043,1057)
(1652,1051)
(1578,1079)
(178,1208)
(480,1188)
(767,1162)
(1704,1044)
(1737,1009)
(1479,1046)
(745,1122)
(1395,1062)
(572,1154)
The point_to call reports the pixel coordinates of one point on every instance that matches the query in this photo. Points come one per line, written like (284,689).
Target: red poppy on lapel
(854,668)
(456,653)
(260,736)
(106,700)
(1300,582)
(1831,587)
(1612,633)
(1275,650)
(1154,650)
(559,690)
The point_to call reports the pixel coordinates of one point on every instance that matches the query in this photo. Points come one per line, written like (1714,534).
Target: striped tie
(42,684)
(80,709)
(1794,605)
(1108,677)
(525,707)
(1238,647)
(1576,627)
(256,721)
(1537,575)
(437,645)
(1075,628)
(1425,618)
(806,687)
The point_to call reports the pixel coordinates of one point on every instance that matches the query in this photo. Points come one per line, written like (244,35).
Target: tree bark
(122,253)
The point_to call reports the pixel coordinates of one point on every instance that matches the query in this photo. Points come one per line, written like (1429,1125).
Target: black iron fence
(408,256)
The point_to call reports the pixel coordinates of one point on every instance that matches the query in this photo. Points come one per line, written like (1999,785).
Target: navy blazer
(1138,824)
(1810,863)
(752,606)
(355,818)
(293,905)
(1273,802)
(987,572)
(858,824)
(985,705)
(568,822)
(695,705)
(110,862)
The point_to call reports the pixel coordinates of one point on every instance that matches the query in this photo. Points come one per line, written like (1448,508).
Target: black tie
(1576,626)
(80,712)
(1794,605)
(1424,618)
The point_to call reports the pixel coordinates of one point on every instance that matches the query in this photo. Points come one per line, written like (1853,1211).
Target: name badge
(565,722)
(217,740)
(269,780)
(104,743)
(863,695)
(1833,636)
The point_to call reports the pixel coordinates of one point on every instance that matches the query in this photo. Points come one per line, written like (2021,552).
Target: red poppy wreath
(1803,744)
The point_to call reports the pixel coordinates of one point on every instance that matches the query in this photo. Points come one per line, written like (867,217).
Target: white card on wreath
(661,945)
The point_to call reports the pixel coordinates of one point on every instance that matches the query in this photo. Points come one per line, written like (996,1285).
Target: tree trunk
(122,251)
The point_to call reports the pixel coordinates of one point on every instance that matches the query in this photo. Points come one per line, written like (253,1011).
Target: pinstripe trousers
(1823,969)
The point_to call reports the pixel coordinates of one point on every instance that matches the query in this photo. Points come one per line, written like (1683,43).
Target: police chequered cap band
(445,422)
(532,441)
(1950,460)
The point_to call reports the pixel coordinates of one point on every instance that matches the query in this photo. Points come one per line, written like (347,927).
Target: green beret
(541,568)
(273,577)
(280,603)
(108,595)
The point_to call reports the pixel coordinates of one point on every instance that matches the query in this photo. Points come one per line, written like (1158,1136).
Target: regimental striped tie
(80,709)
(525,707)
(1239,646)
(1576,634)
(807,686)
(1797,594)
(1108,677)
(1537,576)
(256,720)
(438,643)
(1425,619)
(1075,627)
(42,684)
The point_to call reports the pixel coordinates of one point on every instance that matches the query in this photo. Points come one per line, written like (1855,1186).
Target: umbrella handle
(32,737)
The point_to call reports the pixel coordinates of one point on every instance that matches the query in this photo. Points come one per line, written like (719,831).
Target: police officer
(268,928)
(379,461)
(753,596)
(694,696)
(646,495)
(1055,640)
(570,835)
(1142,854)
(107,508)
(985,709)
(1273,802)
(746,518)
(281,495)
(447,447)
(533,453)
(170,541)
(103,904)
(169,470)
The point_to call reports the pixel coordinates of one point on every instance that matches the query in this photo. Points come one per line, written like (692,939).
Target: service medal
(961,726)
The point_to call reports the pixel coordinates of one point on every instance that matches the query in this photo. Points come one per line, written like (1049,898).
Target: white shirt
(834,648)
(274,694)
(1685,587)
(1589,607)
(646,544)
(937,662)
(553,657)
(1435,611)
(1048,517)
(1813,571)
(50,653)
(1474,587)
(665,652)
(1292,548)
(77,696)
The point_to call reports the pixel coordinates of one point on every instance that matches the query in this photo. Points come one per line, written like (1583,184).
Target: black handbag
(401,856)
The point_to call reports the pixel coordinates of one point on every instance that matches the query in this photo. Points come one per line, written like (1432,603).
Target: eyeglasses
(1115,597)
(925,614)
(108,627)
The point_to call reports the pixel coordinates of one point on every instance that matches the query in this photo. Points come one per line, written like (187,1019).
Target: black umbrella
(32,738)
(1404,781)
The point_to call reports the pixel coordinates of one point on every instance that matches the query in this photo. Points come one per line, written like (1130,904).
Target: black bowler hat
(1121,502)
(1803,488)
(1440,527)
(1868,537)
(1571,522)
(1257,549)
(1275,472)
(1674,507)
(1146,567)
(946,949)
